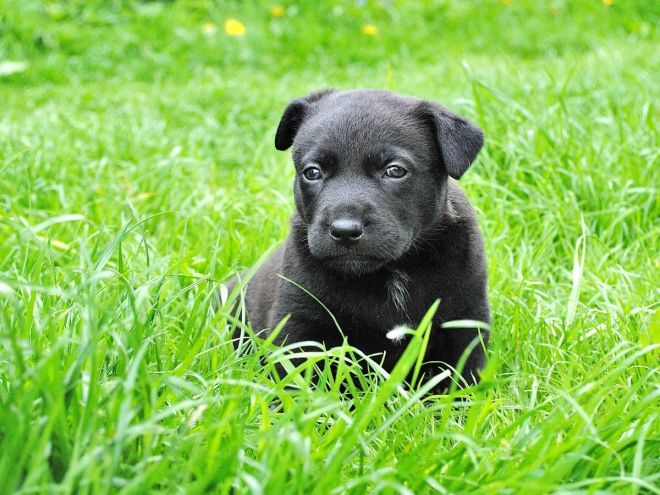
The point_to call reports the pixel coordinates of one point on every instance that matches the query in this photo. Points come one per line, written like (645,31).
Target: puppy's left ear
(459,140)
(294,115)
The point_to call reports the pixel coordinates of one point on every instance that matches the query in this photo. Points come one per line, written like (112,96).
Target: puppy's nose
(346,231)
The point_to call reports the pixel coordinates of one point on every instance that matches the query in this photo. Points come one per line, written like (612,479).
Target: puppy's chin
(367,256)
(354,265)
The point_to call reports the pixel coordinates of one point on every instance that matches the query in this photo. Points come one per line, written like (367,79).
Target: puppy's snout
(346,231)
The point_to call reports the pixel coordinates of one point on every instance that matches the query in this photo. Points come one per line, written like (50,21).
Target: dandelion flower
(370,30)
(234,27)
(608,2)
(277,11)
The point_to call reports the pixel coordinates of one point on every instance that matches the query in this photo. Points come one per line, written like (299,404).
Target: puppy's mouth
(368,254)
(354,264)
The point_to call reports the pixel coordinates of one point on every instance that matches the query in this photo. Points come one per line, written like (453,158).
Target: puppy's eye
(395,172)
(312,173)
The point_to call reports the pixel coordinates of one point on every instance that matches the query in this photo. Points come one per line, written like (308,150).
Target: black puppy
(381,229)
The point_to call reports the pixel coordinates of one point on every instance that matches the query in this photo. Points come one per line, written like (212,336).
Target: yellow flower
(209,28)
(277,11)
(370,30)
(506,2)
(608,2)
(234,27)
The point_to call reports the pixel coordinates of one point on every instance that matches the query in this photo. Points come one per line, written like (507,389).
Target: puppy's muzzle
(346,231)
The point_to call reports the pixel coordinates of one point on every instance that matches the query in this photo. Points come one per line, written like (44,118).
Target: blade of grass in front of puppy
(334,320)
(284,360)
(241,282)
(478,340)
(426,321)
(374,407)
(268,341)
(479,325)
(424,389)
(229,306)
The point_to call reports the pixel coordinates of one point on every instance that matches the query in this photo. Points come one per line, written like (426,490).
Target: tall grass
(137,172)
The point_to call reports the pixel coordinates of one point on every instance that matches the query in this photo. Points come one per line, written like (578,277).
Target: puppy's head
(372,170)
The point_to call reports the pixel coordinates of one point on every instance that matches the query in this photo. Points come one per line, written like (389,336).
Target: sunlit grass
(137,172)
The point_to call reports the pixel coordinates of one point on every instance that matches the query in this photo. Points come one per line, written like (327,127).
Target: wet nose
(346,231)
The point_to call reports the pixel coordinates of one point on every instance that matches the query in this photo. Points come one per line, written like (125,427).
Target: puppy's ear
(459,140)
(293,117)
(290,122)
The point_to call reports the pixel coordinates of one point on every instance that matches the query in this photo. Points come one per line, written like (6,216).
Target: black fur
(419,237)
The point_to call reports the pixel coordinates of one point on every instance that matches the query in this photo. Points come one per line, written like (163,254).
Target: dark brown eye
(312,173)
(395,172)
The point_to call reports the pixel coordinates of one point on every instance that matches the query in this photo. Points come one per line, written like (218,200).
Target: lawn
(138,172)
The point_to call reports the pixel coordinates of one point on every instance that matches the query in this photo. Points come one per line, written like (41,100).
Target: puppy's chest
(377,329)
(370,308)
(375,313)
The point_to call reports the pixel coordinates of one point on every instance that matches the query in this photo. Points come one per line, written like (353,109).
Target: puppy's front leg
(450,348)
(301,334)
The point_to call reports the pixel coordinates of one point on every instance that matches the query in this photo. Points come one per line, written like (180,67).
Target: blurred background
(80,41)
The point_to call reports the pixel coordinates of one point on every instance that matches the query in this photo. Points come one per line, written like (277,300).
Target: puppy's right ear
(293,117)
(289,124)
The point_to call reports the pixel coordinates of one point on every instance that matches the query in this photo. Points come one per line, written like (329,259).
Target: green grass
(137,171)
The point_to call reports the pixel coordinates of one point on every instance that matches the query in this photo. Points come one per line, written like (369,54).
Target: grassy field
(137,172)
